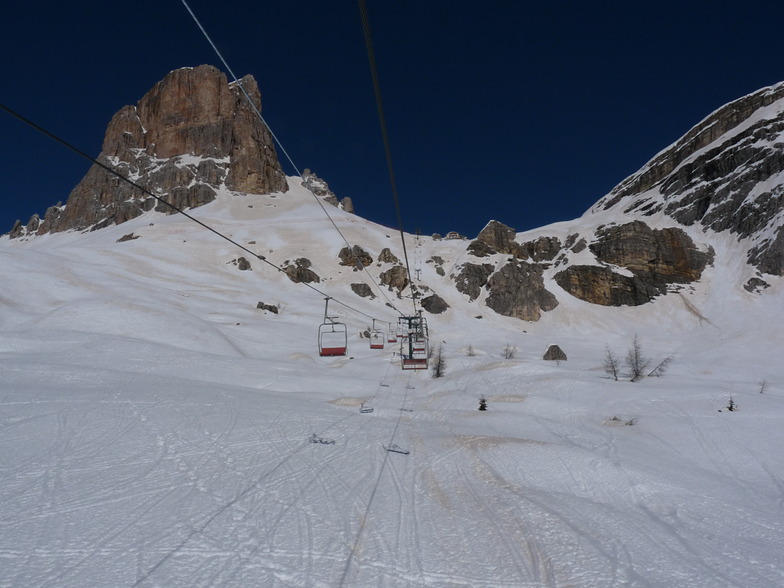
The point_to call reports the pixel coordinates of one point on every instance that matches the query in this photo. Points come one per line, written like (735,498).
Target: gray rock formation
(472,279)
(321,189)
(434,304)
(362,289)
(554,353)
(518,290)
(300,271)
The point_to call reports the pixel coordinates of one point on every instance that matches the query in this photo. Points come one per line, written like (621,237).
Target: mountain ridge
(651,235)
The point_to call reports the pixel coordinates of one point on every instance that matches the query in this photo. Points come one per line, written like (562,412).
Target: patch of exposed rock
(655,258)
(601,285)
(472,278)
(242,264)
(268,307)
(396,278)
(356,257)
(554,353)
(321,189)
(755,285)
(386,256)
(192,133)
(438,261)
(517,290)
(541,249)
(362,289)
(300,271)
(434,304)
(494,238)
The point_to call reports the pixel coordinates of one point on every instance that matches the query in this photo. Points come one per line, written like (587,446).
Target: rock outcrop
(652,259)
(395,278)
(472,279)
(193,133)
(356,257)
(300,271)
(434,304)
(321,189)
(518,290)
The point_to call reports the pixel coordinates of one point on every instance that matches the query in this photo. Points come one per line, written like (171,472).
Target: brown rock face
(660,256)
(496,238)
(190,134)
(396,278)
(356,256)
(655,258)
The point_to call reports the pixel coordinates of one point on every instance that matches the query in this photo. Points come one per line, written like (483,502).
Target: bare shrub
(636,362)
(509,351)
(611,364)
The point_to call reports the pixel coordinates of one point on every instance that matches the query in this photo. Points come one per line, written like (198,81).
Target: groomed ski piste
(157,429)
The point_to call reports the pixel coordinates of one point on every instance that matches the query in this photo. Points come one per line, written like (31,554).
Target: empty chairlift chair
(332,336)
(376,337)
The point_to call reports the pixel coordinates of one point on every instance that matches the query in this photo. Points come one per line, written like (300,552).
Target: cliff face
(191,134)
(725,174)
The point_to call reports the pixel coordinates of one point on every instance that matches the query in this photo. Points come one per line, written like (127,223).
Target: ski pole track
(304,525)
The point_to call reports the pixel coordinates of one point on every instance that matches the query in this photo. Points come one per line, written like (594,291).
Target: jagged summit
(191,134)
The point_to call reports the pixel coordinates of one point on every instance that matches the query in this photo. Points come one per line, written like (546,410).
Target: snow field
(156,426)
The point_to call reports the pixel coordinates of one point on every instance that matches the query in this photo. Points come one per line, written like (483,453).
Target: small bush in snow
(482,403)
(509,351)
(470,351)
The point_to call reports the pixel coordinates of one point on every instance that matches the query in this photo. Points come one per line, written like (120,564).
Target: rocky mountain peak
(725,174)
(190,135)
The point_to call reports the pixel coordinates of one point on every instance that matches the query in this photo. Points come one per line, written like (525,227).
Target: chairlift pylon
(414,345)
(332,335)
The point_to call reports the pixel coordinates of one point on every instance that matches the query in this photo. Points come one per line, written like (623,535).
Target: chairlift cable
(358,263)
(385,136)
(162,201)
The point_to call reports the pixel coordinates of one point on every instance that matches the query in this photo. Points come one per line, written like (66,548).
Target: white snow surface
(155,425)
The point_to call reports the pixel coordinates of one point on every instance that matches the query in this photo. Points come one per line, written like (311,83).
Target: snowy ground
(156,426)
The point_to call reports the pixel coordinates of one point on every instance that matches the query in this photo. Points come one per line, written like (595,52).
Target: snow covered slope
(157,427)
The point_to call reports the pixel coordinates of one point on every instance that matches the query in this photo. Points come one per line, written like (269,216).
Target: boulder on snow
(554,353)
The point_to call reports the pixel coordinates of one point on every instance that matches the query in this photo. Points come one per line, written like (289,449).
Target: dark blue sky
(520,112)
